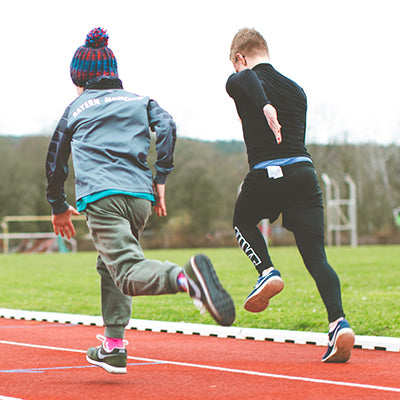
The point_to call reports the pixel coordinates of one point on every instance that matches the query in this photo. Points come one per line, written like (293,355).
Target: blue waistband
(84,201)
(281,162)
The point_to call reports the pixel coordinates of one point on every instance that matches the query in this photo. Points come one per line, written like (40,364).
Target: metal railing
(7,235)
(341,213)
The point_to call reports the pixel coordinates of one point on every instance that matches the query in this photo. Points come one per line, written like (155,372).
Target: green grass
(370,280)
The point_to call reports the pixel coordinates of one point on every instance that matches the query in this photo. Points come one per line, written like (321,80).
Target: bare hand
(160,207)
(62,223)
(272,119)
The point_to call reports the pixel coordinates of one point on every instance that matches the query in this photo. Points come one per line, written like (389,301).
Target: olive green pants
(115,223)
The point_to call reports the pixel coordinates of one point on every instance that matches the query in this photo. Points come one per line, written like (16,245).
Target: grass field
(370,280)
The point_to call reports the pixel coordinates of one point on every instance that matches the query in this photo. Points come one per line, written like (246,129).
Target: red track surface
(176,366)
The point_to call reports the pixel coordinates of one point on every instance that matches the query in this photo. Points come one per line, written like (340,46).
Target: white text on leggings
(246,247)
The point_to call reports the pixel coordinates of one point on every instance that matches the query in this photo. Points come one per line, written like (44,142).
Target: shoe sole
(218,302)
(343,347)
(109,368)
(259,300)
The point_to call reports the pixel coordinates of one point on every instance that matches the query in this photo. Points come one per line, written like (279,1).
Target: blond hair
(248,41)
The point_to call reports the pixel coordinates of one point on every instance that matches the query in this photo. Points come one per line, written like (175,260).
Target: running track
(46,360)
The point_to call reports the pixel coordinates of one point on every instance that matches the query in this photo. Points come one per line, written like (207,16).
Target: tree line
(202,190)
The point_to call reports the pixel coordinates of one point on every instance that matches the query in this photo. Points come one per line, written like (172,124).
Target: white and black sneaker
(205,287)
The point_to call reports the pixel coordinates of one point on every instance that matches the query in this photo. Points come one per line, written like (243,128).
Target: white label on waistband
(274,171)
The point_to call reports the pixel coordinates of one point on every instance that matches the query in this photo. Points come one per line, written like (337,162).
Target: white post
(337,220)
(352,210)
(328,197)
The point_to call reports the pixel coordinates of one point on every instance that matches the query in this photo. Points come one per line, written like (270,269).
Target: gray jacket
(108,131)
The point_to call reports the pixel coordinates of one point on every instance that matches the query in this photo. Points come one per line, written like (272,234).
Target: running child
(281,180)
(107,129)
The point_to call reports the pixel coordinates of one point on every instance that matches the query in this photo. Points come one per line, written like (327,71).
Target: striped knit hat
(93,59)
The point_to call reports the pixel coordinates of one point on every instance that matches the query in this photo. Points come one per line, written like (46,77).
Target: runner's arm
(164,126)
(246,82)
(57,166)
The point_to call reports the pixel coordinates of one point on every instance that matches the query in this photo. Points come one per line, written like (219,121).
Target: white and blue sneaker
(341,342)
(268,285)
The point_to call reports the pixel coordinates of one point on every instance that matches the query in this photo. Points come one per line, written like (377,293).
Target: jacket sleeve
(57,166)
(247,82)
(162,123)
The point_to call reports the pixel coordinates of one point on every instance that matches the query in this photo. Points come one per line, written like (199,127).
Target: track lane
(175,366)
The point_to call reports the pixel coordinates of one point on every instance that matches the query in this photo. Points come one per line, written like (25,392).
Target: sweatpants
(298,197)
(115,223)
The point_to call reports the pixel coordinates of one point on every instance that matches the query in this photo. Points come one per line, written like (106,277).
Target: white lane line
(222,369)
(38,346)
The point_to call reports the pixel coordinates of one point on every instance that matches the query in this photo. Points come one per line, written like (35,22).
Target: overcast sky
(345,54)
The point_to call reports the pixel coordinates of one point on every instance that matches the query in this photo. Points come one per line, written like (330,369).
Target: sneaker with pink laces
(113,361)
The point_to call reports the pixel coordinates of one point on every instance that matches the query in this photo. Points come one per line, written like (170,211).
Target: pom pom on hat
(93,59)
(96,38)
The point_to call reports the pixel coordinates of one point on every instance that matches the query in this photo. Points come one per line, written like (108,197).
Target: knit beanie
(93,59)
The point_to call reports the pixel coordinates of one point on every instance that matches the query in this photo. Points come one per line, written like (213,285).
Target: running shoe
(267,286)
(113,361)
(205,287)
(341,341)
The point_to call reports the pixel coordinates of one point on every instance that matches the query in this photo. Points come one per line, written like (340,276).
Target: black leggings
(312,250)
(298,197)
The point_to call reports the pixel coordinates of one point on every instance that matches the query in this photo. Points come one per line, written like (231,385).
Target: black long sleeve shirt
(252,89)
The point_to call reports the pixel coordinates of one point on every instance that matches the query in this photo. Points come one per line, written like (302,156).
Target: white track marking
(38,346)
(222,369)
(9,398)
